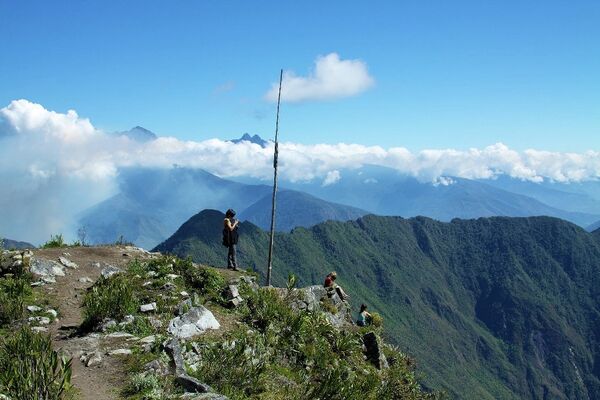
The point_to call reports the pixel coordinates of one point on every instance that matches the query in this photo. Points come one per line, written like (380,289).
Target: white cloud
(332,78)
(54,165)
(331,178)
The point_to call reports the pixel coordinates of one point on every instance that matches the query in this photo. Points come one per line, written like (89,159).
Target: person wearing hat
(230,238)
(330,284)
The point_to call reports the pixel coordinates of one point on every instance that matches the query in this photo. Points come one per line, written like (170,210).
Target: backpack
(230,237)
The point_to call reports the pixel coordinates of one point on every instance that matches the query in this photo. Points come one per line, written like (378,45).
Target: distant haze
(55,165)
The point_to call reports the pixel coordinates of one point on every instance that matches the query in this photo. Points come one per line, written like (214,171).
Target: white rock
(46,268)
(194,322)
(119,335)
(52,312)
(109,271)
(148,339)
(151,274)
(184,294)
(34,308)
(85,279)
(119,352)
(172,276)
(67,263)
(148,307)
(95,358)
(39,329)
(40,320)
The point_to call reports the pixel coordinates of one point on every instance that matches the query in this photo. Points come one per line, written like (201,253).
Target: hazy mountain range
(491,308)
(152,203)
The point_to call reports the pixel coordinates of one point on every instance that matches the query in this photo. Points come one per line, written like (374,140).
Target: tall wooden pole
(275,156)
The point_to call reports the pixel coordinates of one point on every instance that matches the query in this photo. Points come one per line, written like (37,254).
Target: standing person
(364,318)
(230,238)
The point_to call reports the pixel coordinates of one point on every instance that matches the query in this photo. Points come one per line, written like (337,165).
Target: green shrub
(376,320)
(235,366)
(31,370)
(144,384)
(112,297)
(206,281)
(13,292)
(55,241)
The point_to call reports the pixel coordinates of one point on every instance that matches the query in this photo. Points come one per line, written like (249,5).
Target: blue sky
(447,74)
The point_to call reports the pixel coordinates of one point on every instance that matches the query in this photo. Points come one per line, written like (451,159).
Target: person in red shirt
(330,283)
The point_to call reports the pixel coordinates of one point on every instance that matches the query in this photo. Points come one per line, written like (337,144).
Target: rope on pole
(275,156)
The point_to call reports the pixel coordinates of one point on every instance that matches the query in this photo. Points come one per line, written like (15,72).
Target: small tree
(82,235)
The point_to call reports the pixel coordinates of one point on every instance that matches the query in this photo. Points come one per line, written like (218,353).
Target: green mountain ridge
(493,308)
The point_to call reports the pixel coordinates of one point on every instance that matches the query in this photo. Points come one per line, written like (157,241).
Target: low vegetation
(31,370)
(265,349)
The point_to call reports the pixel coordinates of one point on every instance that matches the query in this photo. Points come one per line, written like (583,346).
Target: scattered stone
(173,349)
(52,312)
(96,265)
(190,384)
(66,254)
(91,359)
(67,263)
(39,320)
(203,396)
(108,324)
(148,283)
(373,351)
(233,296)
(37,283)
(120,335)
(172,276)
(184,294)
(119,352)
(232,292)
(148,339)
(192,323)
(34,309)
(169,286)
(85,279)
(151,274)
(155,322)
(148,307)
(48,279)
(157,366)
(39,329)
(110,270)
(235,302)
(127,320)
(68,327)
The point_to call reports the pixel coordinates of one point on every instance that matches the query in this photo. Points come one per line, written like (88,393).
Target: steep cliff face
(513,302)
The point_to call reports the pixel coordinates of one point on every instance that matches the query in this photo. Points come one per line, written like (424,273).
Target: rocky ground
(103,377)
(103,354)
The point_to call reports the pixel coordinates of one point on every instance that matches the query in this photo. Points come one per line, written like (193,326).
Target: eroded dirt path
(106,378)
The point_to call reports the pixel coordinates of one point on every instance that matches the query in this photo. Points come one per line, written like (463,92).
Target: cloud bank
(54,165)
(332,78)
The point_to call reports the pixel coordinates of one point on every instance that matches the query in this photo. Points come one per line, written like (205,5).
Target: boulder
(191,384)
(373,351)
(194,322)
(46,269)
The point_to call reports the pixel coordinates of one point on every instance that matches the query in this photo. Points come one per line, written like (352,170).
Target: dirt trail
(103,380)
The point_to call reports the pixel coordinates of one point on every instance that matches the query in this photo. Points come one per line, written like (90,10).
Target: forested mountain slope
(492,308)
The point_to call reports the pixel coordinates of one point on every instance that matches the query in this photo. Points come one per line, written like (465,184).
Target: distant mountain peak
(139,134)
(252,139)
